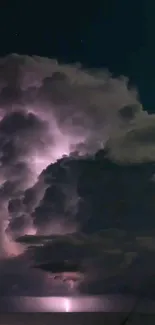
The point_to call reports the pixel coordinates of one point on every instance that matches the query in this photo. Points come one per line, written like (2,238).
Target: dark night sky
(118,35)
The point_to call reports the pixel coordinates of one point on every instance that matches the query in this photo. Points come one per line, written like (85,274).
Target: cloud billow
(49,111)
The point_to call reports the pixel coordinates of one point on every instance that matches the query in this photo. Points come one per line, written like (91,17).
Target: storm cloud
(48,110)
(76,157)
(54,117)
